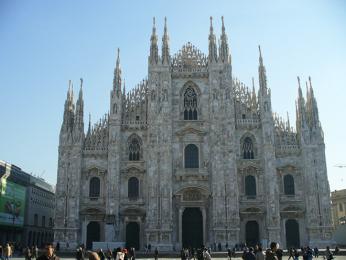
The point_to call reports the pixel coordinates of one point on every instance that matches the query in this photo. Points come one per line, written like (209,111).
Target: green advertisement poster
(12,203)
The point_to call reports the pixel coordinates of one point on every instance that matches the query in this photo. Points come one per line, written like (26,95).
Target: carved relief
(192,195)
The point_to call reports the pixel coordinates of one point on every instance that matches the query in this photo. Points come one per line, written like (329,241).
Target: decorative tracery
(134,149)
(190,104)
(248,149)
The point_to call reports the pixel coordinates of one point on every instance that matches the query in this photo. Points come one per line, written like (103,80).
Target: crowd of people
(203,253)
(275,253)
(99,254)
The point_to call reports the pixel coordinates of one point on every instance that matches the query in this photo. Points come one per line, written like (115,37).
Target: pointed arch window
(134,149)
(289,185)
(250,186)
(190,104)
(248,148)
(94,187)
(191,156)
(133,188)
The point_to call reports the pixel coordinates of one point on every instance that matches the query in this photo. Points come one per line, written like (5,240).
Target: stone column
(204,224)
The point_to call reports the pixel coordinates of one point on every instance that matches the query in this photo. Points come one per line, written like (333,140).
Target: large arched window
(191,156)
(134,149)
(94,187)
(250,186)
(248,149)
(288,184)
(190,104)
(133,188)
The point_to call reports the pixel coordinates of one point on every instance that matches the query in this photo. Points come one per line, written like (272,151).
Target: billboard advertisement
(12,203)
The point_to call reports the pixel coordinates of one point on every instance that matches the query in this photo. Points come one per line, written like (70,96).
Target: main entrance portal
(192,228)
(132,235)
(93,233)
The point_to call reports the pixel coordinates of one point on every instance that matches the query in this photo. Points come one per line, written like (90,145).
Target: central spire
(165,45)
(224,50)
(212,43)
(262,72)
(154,50)
(117,76)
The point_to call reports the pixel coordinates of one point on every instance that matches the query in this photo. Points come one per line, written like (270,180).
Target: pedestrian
(132,253)
(279,253)
(206,255)
(328,254)
(336,251)
(260,254)
(1,252)
(149,248)
(156,254)
(120,254)
(27,253)
(93,256)
(80,254)
(35,251)
(7,251)
(101,254)
(250,254)
(296,254)
(109,254)
(290,253)
(271,252)
(229,254)
(316,253)
(49,254)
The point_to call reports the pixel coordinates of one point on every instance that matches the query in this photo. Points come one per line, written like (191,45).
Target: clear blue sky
(43,44)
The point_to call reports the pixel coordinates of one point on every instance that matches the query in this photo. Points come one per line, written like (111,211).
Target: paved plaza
(339,257)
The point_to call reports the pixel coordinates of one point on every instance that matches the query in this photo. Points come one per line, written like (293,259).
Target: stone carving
(189,58)
(192,195)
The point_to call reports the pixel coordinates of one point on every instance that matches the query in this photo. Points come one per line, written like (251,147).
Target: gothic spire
(312,107)
(262,72)
(224,50)
(253,98)
(89,126)
(80,105)
(117,76)
(301,114)
(212,43)
(68,109)
(165,45)
(154,52)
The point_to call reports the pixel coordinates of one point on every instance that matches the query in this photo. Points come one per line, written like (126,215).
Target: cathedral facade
(192,156)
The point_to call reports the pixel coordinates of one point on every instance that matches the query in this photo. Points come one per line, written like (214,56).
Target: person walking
(1,252)
(7,252)
(206,255)
(80,254)
(156,254)
(250,255)
(328,254)
(260,254)
(27,253)
(271,252)
(49,254)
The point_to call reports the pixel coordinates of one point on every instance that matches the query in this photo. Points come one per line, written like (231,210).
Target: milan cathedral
(192,156)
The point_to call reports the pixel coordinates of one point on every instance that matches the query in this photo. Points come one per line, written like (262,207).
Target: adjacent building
(192,156)
(26,207)
(339,207)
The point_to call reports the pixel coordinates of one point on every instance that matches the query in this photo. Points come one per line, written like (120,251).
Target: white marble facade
(191,135)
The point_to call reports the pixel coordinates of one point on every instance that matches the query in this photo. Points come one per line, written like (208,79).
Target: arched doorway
(252,233)
(132,235)
(93,233)
(192,228)
(292,233)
